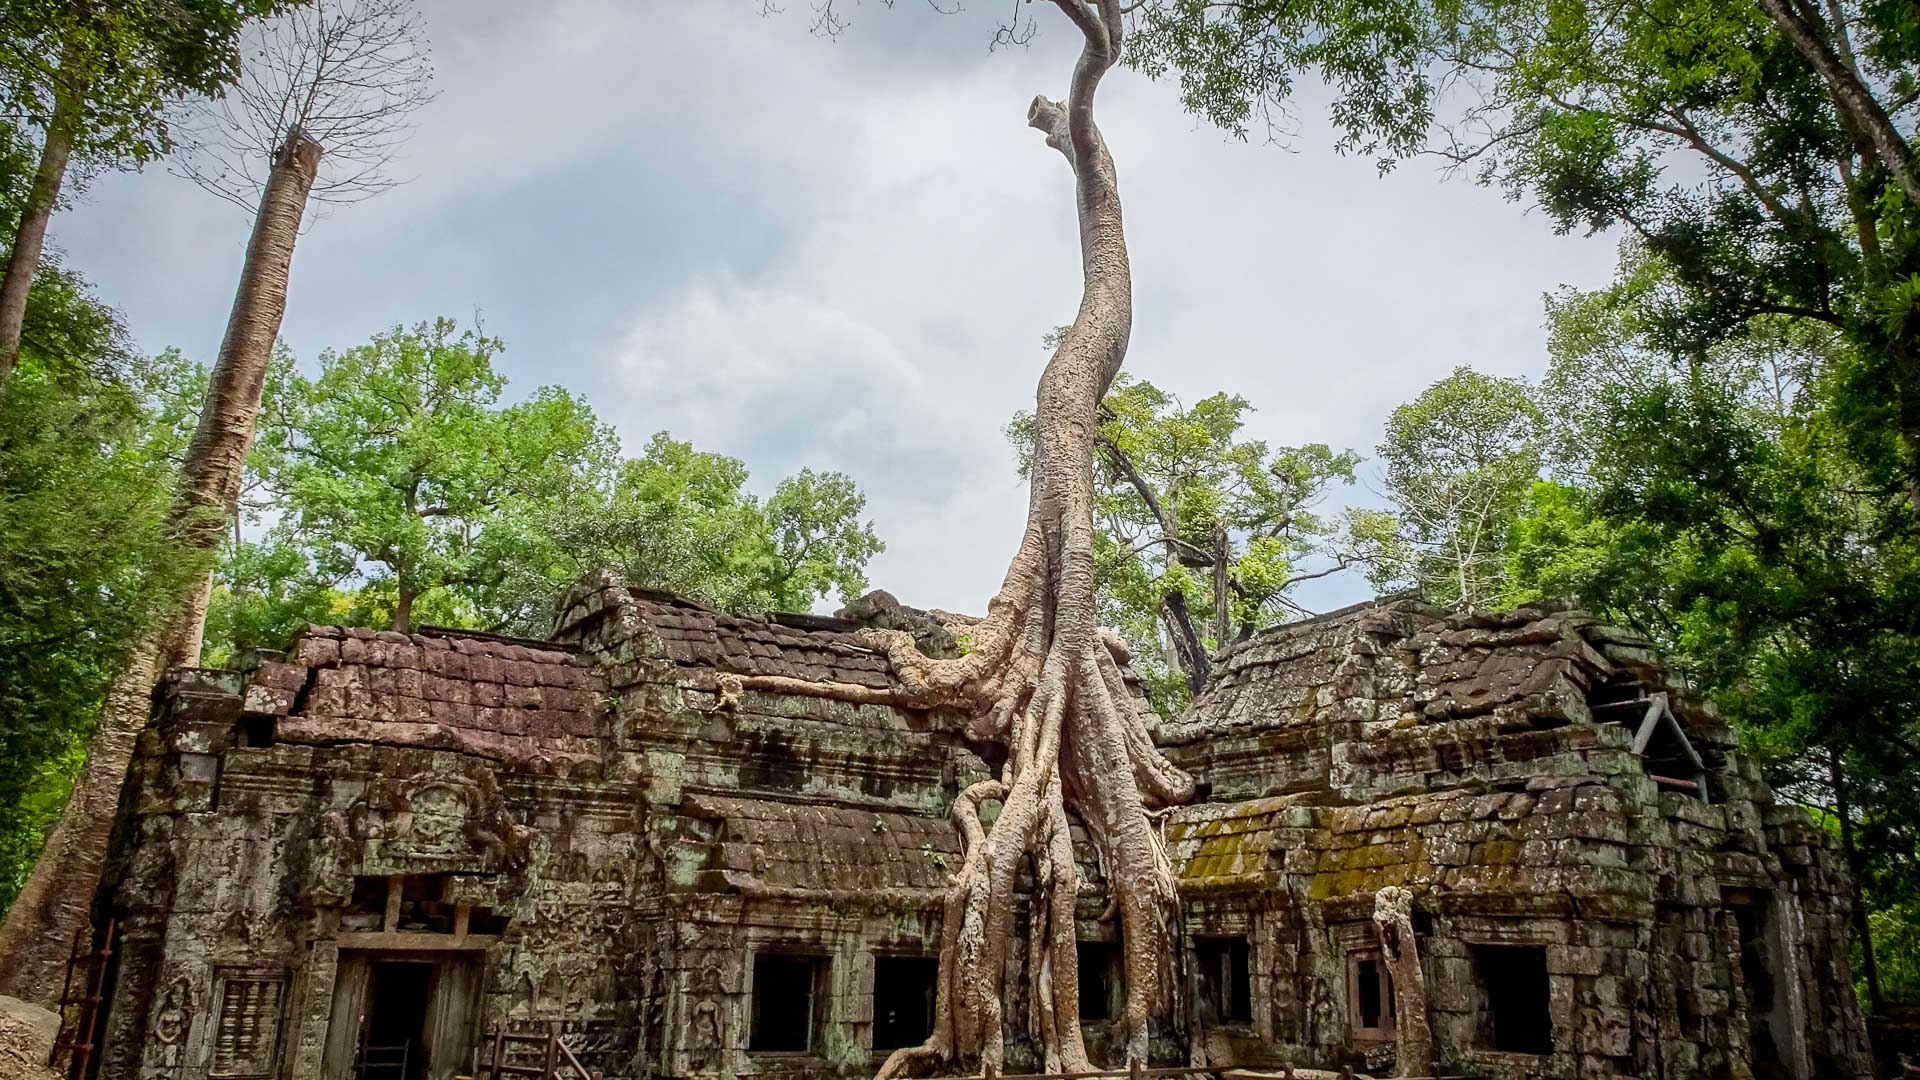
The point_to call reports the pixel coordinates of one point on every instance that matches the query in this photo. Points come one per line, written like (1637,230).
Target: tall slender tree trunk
(30,238)
(1222,587)
(216,459)
(1187,652)
(403,610)
(58,895)
(1862,928)
(1044,682)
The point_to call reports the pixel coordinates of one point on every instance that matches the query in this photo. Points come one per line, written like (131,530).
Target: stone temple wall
(373,854)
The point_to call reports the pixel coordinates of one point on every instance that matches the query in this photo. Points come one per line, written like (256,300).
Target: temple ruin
(376,853)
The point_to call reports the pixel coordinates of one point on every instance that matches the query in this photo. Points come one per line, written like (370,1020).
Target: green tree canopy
(1201,533)
(398,489)
(1712,500)
(398,467)
(682,520)
(1459,459)
(1755,148)
(85,556)
(125,63)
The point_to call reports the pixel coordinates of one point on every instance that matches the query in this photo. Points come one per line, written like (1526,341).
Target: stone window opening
(789,990)
(248,1018)
(1510,999)
(903,994)
(1371,1008)
(1100,982)
(1226,983)
(255,730)
(1774,1025)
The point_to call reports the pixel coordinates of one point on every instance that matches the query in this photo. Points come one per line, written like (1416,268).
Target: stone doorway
(403,1016)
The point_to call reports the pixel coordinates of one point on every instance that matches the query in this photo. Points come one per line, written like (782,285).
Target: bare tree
(326,97)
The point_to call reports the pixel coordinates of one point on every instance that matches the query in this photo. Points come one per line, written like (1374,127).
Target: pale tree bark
(215,466)
(1859,110)
(1412,1029)
(58,895)
(30,238)
(1043,681)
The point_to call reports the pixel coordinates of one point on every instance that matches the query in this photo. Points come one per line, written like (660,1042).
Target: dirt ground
(26,1037)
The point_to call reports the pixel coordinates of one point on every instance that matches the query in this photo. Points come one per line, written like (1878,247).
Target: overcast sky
(843,254)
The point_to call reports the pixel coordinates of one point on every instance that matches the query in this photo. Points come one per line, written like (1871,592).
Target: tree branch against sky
(346,74)
(1202,533)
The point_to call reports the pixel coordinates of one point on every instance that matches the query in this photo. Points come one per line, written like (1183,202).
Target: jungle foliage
(1725,452)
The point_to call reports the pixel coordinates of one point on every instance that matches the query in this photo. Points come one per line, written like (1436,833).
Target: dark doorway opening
(1770,1029)
(1225,977)
(393,1044)
(903,989)
(1099,988)
(1512,996)
(1370,1005)
(785,996)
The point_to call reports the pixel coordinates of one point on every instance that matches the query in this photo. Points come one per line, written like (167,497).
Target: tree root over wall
(1041,680)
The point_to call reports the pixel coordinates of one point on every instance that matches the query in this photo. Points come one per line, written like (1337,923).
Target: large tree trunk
(1412,1028)
(57,898)
(216,459)
(58,895)
(1044,682)
(30,238)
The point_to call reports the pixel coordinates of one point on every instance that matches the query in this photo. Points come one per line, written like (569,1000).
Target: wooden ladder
(80,999)
(557,1062)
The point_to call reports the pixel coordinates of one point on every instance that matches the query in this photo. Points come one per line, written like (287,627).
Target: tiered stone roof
(482,694)
(796,646)
(766,845)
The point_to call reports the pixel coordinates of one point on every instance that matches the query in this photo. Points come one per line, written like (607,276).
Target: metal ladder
(80,998)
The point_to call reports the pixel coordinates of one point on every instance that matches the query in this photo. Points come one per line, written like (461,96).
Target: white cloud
(843,254)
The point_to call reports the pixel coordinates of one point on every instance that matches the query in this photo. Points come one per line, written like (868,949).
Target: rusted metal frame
(80,1048)
(66,1039)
